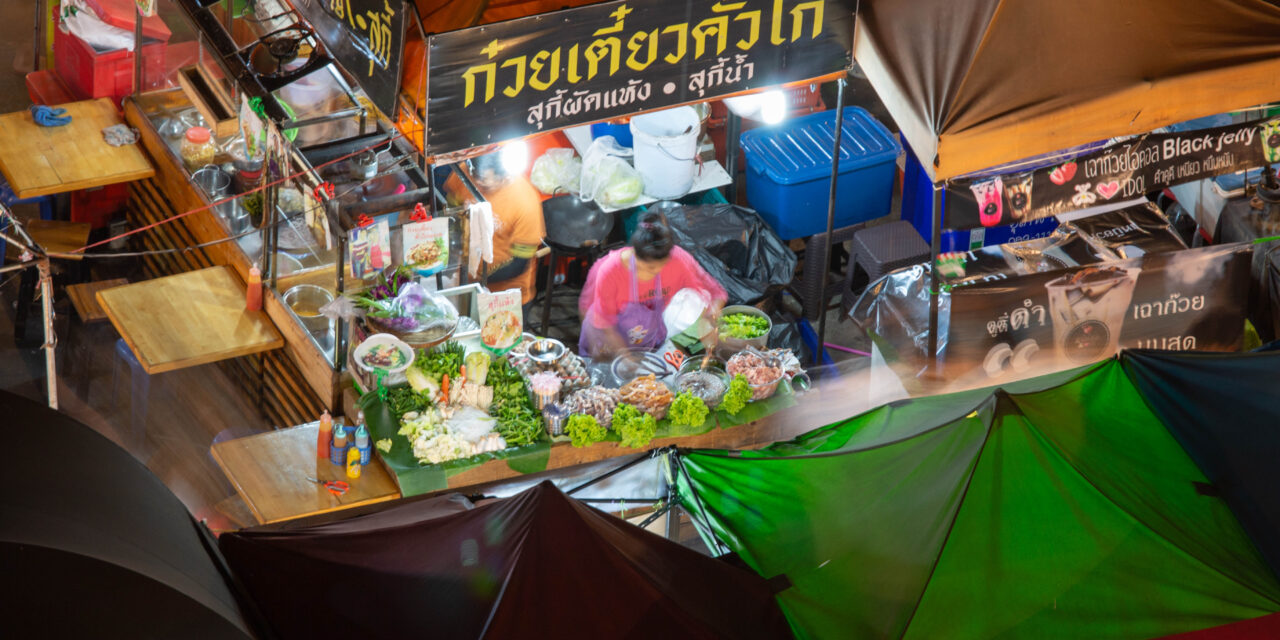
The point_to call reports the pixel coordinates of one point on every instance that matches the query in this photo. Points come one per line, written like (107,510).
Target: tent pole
(732,129)
(831,220)
(935,279)
(50,340)
(614,471)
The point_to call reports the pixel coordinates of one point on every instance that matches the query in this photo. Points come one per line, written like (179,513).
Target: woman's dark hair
(652,239)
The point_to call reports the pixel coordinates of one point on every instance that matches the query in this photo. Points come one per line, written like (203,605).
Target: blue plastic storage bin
(789,171)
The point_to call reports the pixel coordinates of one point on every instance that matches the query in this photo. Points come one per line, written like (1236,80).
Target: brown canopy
(978,83)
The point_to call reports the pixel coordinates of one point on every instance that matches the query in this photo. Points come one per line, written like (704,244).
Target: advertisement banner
(511,79)
(367,38)
(1122,171)
(1193,299)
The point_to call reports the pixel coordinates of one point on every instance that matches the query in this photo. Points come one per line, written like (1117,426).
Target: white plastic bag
(81,21)
(606,177)
(558,169)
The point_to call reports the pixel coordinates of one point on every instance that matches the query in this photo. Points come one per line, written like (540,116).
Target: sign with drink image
(1004,329)
(1117,172)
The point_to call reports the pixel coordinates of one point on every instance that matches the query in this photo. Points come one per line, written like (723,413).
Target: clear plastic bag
(558,169)
(606,177)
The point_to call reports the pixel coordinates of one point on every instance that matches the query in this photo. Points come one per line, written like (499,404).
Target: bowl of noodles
(500,331)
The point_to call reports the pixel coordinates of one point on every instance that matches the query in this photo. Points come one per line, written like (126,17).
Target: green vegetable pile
(519,422)
(737,396)
(441,360)
(688,410)
(402,400)
(635,427)
(743,326)
(584,430)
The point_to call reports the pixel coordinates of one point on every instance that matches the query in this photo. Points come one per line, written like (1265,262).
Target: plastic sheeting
(736,247)
(894,310)
(1055,507)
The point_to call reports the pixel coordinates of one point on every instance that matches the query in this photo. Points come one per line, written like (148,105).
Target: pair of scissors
(674,358)
(336,487)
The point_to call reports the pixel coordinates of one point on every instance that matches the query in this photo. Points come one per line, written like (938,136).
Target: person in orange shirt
(518,226)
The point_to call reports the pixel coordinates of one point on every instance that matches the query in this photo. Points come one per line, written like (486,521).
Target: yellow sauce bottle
(353,463)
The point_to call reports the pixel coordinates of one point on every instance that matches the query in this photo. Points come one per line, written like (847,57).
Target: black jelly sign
(1118,172)
(367,38)
(512,79)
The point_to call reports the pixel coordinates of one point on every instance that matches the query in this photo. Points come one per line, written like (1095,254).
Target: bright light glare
(515,157)
(773,107)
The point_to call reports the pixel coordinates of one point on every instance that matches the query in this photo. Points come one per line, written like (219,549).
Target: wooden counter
(270,471)
(293,385)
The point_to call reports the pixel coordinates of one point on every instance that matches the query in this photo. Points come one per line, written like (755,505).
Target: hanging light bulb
(773,106)
(515,157)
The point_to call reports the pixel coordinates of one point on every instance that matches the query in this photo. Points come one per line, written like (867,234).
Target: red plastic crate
(93,74)
(99,205)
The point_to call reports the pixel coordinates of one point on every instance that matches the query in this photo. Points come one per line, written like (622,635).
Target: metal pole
(732,130)
(50,340)
(831,221)
(39,41)
(935,279)
(137,50)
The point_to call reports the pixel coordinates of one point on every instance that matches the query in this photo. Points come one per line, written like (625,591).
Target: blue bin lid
(800,150)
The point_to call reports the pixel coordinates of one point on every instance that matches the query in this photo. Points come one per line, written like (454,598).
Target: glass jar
(197,148)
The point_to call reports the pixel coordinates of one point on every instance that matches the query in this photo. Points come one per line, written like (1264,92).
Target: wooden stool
(55,236)
(85,303)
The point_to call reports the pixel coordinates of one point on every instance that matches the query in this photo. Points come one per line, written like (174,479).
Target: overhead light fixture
(515,157)
(769,107)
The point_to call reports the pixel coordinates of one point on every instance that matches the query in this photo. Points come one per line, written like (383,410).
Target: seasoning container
(555,416)
(338,449)
(362,444)
(253,290)
(197,148)
(353,463)
(322,439)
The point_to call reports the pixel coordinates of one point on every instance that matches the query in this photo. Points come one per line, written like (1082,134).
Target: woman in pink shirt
(628,289)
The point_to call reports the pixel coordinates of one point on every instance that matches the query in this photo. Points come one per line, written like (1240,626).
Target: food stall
(965,108)
(263,74)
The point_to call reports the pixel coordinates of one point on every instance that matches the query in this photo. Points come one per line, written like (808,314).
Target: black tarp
(1225,412)
(736,247)
(538,564)
(93,545)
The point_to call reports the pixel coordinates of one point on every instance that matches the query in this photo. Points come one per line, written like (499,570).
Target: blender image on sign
(1018,191)
(1088,309)
(989,194)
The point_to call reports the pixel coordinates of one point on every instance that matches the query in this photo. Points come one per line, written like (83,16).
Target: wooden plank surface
(270,470)
(84,299)
(58,236)
(38,161)
(188,319)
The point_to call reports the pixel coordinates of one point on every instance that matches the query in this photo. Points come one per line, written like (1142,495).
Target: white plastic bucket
(666,146)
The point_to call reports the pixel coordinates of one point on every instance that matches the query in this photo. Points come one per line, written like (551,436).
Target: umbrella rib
(1057,452)
(950,525)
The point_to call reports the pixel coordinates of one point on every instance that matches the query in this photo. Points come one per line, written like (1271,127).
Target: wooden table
(38,161)
(57,236)
(188,319)
(270,470)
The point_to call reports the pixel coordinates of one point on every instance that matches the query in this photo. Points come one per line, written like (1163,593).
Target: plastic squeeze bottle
(362,444)
(353,463)
(326,432)
(338,450)
(253,293)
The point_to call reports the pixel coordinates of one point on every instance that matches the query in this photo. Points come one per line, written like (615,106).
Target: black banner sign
(1193,299)
(1121,171)
(511,79)
(367,39)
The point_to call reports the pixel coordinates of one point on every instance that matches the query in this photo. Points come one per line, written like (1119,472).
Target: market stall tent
(1061,506)
(92,543)
(538,564)
(977,83)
